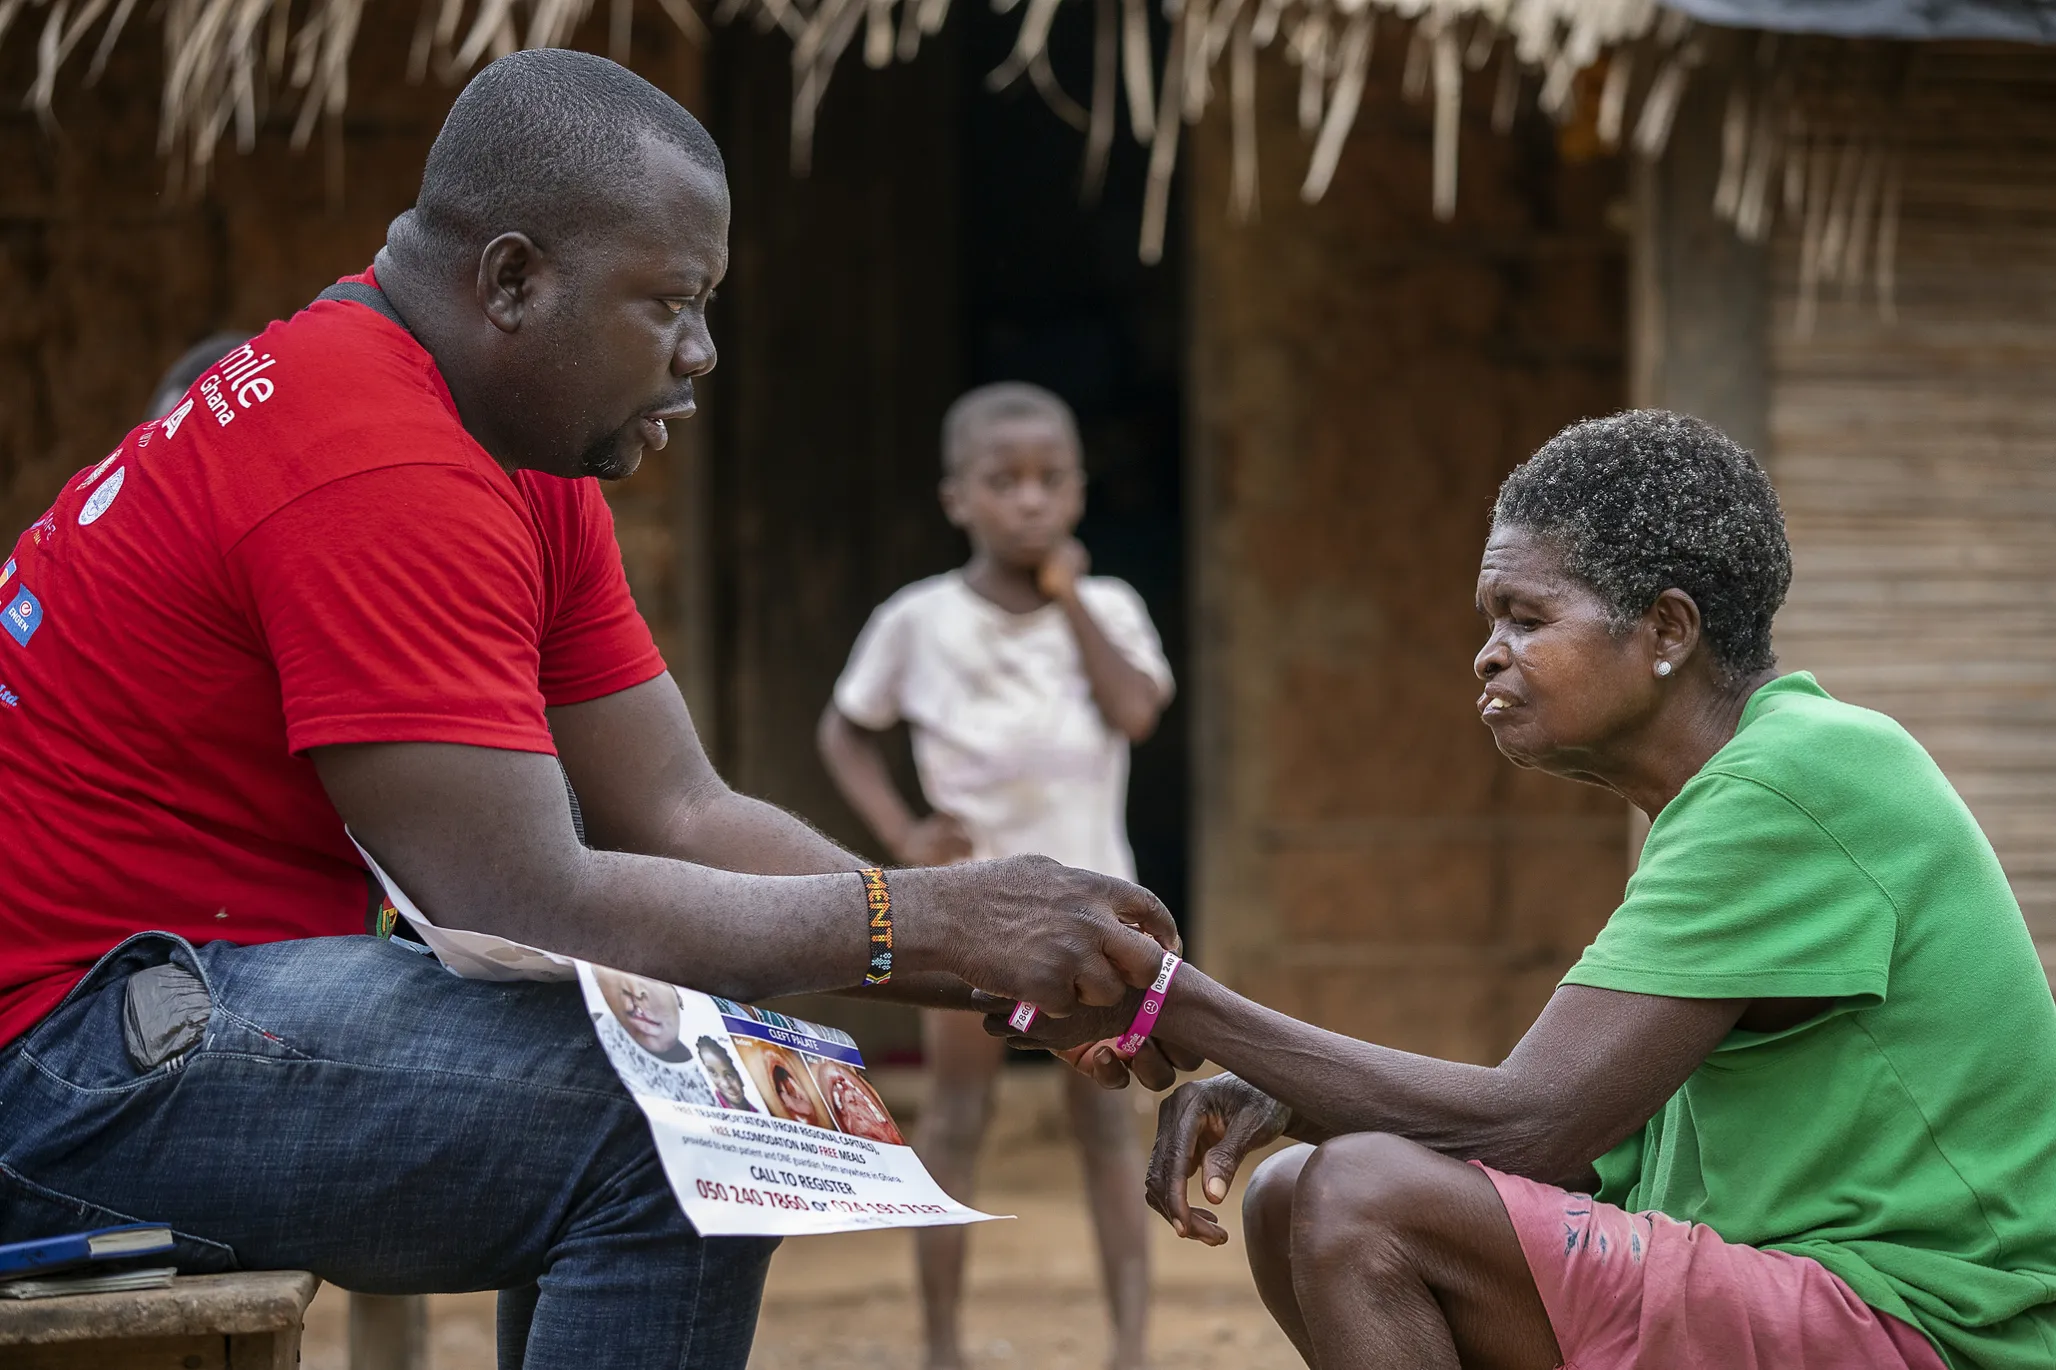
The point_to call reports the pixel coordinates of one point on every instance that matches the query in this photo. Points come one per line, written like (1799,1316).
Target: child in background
(1023,681)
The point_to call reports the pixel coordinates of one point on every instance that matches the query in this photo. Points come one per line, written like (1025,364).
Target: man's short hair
(977,410)
(541,141)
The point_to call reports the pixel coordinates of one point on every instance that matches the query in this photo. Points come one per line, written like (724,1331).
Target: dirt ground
(848,1300)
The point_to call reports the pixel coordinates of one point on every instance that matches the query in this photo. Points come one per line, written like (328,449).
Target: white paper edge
(471,955)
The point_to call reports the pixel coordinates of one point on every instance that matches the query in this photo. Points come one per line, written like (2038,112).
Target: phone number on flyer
(717,1192)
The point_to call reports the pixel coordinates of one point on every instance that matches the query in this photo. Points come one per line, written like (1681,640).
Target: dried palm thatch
(1800,135)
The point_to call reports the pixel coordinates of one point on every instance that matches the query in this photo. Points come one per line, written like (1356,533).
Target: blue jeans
(355,1110)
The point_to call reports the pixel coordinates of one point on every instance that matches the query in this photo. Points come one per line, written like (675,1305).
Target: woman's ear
(1674,630)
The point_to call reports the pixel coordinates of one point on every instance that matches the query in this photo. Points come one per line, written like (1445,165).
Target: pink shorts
(1626,1290)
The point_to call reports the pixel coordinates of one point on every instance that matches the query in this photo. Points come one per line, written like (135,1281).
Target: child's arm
(857,766)
(1128,699)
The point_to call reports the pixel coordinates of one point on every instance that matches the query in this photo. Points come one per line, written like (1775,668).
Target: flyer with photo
(766,1125)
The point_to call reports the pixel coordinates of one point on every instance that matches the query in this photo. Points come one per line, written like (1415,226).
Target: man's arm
(645,785)
(481,838)
(1130,700)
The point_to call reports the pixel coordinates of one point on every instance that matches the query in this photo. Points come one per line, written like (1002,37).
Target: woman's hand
(1084,1040)
(1207,1126)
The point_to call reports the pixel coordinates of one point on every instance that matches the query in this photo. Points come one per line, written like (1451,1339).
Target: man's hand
(937,840)
(1061,570)
(1030,928)
(1207,1126)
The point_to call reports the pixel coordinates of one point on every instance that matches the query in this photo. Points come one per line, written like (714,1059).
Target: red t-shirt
(309,550)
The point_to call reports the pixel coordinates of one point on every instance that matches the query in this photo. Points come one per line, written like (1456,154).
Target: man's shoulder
(353,368)
(332,392)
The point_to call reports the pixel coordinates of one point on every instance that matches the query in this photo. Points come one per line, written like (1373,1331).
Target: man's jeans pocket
(89,1041)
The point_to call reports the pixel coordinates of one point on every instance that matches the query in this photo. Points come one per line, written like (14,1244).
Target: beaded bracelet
(878,896)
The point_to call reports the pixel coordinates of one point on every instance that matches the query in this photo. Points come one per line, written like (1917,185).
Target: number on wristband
(1152,1005)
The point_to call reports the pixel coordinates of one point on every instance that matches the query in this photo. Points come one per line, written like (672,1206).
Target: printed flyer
(766,1125)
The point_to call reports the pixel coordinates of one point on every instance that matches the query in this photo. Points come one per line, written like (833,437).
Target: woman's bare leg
(962,1061)
(1103,1122)
(1401,1256)
(1267,1237)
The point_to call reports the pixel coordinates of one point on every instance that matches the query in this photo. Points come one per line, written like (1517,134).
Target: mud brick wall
(106,278)
(1361,379)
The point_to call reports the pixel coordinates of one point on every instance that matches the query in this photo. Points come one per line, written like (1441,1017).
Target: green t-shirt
(1906,1138)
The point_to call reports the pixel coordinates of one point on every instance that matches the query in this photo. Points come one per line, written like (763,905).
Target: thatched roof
(1791,146)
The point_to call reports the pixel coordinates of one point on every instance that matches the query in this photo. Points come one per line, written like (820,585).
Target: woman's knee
(1367,1193)
(1267,1203)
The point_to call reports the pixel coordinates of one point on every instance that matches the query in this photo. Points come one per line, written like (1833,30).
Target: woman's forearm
(1335,1084)
(1596,1065)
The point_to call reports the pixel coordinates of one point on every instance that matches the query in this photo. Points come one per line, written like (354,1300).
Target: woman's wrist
(1188,1014)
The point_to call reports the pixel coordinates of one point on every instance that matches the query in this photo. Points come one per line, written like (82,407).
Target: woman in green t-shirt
(1795,1106)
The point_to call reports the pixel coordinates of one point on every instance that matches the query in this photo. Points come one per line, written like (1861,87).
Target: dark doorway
(938,243)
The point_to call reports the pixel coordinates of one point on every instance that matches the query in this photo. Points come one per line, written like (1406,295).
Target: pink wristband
(1152,1005)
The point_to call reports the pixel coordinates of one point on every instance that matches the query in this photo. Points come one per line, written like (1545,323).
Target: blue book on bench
(46,1255)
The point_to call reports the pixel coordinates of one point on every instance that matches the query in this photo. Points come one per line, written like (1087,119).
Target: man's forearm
(733,832)
(744,936)
(932,989)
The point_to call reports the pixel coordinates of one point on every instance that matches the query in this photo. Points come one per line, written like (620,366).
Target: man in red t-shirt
(358,574)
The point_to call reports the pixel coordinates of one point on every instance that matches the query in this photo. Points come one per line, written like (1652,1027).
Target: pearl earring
(1663,668)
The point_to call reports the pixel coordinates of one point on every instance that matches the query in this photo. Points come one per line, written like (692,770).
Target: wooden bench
(202,1322)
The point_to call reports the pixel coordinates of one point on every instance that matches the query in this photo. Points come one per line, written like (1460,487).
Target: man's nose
(696,353)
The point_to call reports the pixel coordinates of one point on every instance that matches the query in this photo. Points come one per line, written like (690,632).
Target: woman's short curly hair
(1647,501)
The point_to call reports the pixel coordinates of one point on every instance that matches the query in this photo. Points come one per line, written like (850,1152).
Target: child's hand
(937,840)
(1058,576)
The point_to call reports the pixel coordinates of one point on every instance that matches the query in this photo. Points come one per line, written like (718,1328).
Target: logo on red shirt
(97,502)
(177,417)
(6,573)
(22,616)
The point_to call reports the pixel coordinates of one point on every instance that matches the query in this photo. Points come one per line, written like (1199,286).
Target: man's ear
(506,279)
(1674,626)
